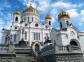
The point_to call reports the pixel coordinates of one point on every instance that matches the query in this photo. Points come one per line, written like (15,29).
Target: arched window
(61,25)
(15,27)
(37,49)
(5,39)
(49,22)
(67,22)
(15,37)
(28,19)
(25,24)
(36,36)
(25,35)
(32,19)
(16,19)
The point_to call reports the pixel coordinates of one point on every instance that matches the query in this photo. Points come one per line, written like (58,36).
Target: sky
(75,8)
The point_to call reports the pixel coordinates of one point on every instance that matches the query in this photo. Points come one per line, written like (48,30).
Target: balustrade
(69,48)
(76,48)
(63,48)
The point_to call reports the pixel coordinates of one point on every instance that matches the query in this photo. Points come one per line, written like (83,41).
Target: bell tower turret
(16,20)
(48,20)
(63,19)
(16,17)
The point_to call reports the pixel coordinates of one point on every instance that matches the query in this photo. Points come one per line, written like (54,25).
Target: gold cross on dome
(30,4)
(16,7)
(62,7)
(31,1)
(48,13)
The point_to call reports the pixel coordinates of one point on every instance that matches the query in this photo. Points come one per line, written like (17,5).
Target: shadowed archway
(22,44)
(37,48)
(73,43)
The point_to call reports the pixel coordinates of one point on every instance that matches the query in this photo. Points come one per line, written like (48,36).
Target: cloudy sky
(74,7)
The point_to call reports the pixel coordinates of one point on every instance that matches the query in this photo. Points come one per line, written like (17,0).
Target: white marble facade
(27,26)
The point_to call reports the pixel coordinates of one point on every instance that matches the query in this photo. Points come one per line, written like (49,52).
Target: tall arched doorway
(37,48)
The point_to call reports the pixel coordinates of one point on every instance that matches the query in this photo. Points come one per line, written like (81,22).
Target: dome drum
(29,13)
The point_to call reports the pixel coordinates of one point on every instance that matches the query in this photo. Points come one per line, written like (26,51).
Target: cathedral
(27,26)
(30,40)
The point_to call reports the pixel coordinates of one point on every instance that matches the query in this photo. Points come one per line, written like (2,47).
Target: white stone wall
(3,36)
(67,36)
(64,37)
(81,38)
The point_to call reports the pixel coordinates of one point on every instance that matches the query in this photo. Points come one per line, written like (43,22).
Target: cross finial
(48,13)
(16,7)
(31,1)
(62,10)
(30,4)
(62,7)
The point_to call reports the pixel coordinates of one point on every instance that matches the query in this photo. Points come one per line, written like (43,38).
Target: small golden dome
(31,9)
(17,12)
(63,14)
(48,17)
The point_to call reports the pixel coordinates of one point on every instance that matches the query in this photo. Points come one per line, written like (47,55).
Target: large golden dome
(30,9)
(63,14)
(17,12)
(48,17)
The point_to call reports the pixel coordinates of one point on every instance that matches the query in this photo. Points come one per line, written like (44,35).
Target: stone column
(56,49)
(11,48)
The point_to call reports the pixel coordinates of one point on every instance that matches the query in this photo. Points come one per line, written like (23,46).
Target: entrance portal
(37,48)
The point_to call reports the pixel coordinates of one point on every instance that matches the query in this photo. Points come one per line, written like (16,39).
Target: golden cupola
(17,12)
(30,9)
(63,14)
(48,17)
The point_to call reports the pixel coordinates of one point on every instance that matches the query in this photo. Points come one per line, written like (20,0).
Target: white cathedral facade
(63,45)
(27,26)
